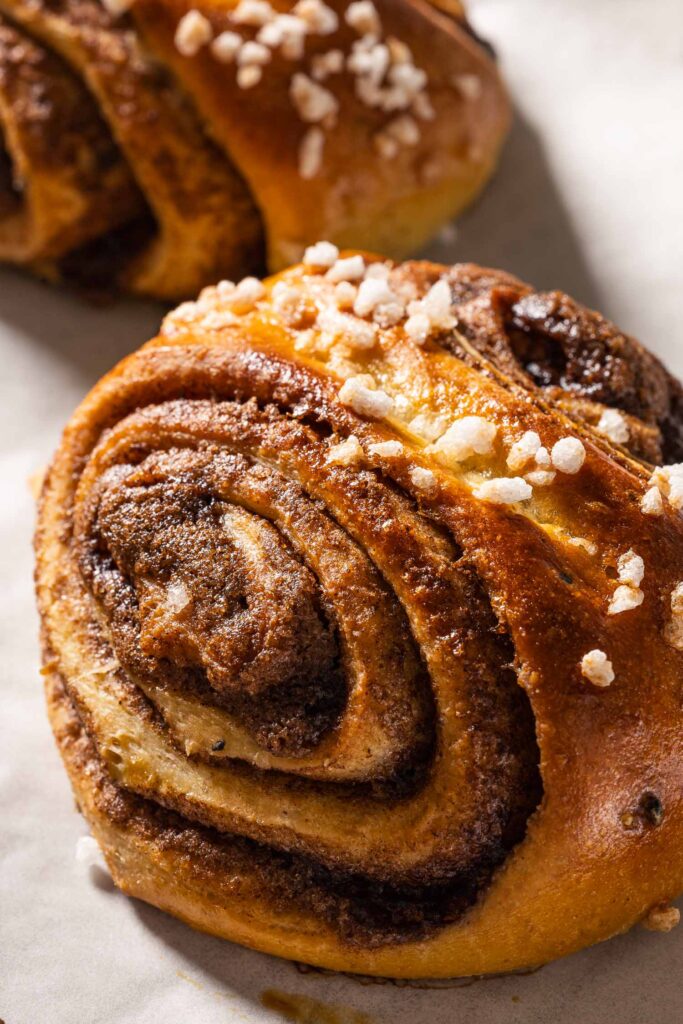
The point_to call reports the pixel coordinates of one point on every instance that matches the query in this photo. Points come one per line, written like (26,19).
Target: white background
(589,199)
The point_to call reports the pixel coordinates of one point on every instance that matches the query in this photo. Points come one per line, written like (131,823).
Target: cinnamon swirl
(362,619)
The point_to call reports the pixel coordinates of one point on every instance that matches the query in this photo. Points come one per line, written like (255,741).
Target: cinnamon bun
(155,147)
(361,597)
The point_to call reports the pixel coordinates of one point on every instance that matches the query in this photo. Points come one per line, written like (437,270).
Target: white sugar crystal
(208,296)
(252,53)
(345,294)
(217,319)
(624,599)
(177,596)
(437,304)
(436,307)
(423,479)
(581,542)
(400,51)
(505,490)
(322,254)
(224,288)
(319,19)
(325,64)
(674,628)
(542,457)
(252,12)
(597,669)
(409,81)
(677,599)
(363,17)
(373,291)
(631,568)
(568,455)
(286,296)
(377,270)
(427,426)
(305,341)
(357,334)
(245,295)
(675,494)
(386,448)
(540,477)
(404,129)
(193,32)
(613,425)
(249,76)
(403,408)
(388,314)
(313,102)
(347,453)
(523,451)
(359,392)
(226,46)
(178,318)
(370,63)
(311,153)
(471,435)
(418,327)
(369,93)
(651,503)
(285,33)
(387,147)
(669,480)
(349,268)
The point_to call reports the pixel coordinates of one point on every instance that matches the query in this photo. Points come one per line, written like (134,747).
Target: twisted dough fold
(322,692)
(136,155)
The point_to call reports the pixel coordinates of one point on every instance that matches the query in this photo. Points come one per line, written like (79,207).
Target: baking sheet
(589,199)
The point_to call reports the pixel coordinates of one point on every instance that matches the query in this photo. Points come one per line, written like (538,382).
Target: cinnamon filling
(205,597)
(363,911)
(228,584)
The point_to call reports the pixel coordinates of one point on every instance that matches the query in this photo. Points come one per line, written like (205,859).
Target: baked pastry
(156,147)
(363,619)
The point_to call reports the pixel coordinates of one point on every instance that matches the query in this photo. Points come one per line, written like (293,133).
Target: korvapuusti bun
(362,604)
(155,147)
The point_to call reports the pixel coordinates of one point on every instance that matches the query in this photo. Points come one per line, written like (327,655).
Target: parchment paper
(589,199)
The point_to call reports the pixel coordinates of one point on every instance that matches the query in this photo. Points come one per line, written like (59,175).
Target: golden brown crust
(220,165)
(202,485)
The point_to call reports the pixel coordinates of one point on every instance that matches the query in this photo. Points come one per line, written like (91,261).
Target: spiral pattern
(303,673)
(286,617)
